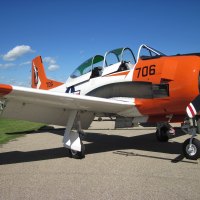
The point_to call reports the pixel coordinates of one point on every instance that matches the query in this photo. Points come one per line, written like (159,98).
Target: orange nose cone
(5,89)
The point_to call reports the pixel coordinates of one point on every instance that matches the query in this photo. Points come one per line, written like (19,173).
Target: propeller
(194,107)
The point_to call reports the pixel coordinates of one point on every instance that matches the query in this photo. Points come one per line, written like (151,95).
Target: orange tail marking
(39,79)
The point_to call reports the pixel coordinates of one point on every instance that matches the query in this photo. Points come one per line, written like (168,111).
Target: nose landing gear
(191,146)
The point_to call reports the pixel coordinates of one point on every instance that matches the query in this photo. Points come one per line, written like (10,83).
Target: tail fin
(39,79)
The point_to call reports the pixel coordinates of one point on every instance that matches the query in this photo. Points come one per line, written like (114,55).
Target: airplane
(152,88)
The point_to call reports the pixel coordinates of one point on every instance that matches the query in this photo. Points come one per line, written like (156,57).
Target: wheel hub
(191,149)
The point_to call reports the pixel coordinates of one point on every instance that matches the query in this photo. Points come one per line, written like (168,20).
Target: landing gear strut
(73,139)
(191,146)
(77,154)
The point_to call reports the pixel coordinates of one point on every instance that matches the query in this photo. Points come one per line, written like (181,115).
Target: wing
(53,107)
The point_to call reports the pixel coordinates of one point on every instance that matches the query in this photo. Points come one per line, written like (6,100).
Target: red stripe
(191,110)
(125,73)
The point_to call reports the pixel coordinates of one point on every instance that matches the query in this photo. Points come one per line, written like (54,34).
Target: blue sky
(67,32)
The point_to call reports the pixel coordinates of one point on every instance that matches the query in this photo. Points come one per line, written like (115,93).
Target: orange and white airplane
(154,88)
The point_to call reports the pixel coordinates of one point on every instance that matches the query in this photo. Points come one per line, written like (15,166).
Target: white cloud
(17,52)
(49,60)
(26,63)
(53,67)
(52,63)
(7,65)
(17,82)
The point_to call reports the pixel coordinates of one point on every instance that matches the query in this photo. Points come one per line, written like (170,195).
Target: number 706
(146,71)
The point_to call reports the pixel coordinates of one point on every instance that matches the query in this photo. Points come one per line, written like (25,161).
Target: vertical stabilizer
(39,79)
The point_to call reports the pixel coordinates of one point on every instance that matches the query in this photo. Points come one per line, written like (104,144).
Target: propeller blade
(193,108)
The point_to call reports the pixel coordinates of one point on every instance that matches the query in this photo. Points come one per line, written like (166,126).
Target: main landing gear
(73,139)
(191,146)
(163,132)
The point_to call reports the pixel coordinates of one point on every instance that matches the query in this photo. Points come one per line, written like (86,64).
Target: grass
(11,129)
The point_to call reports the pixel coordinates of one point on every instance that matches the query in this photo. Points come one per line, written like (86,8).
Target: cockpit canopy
(110,58)
(87,66)
(116,60)
(119,55)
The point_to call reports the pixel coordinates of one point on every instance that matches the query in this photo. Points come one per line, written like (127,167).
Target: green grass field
(11,129)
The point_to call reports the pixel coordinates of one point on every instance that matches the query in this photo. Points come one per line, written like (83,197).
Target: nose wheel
(191,146)
(191,149)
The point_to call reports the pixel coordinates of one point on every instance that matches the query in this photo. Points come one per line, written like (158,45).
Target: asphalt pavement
(119,164)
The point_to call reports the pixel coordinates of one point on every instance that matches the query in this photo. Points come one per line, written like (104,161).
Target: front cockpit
(145,52)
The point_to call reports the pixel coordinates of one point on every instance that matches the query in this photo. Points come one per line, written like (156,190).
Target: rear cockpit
(88,66)
(121,59)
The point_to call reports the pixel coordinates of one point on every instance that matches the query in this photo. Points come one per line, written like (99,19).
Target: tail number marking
(146,71)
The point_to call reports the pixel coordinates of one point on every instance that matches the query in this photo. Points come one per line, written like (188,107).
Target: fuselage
(177,79)
(181,73)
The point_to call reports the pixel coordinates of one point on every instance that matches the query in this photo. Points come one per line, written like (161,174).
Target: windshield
(146,52)
(87,66)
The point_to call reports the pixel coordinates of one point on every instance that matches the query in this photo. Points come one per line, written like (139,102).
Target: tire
(162,135)
(78,154)
(194,152)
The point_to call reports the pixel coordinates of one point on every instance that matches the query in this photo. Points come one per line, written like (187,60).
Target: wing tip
(5,89)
